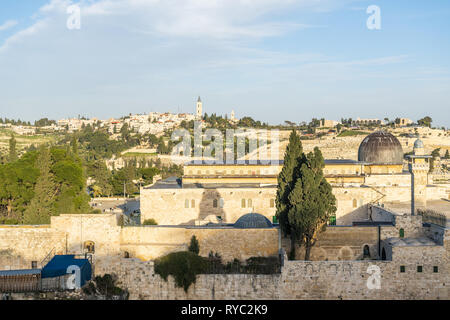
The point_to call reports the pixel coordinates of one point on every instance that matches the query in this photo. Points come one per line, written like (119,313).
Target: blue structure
(58,267)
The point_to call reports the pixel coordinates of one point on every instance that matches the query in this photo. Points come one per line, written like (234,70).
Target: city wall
(300,279)
(151,242)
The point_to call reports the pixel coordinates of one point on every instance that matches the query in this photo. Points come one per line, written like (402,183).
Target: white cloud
(8,24)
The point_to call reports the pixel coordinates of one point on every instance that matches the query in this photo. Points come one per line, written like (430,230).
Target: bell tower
(199,109)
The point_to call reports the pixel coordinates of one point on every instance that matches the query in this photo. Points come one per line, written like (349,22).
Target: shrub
(184,266)
(150,222)
(350,133)
(106,286)
(194,246)
(9,221)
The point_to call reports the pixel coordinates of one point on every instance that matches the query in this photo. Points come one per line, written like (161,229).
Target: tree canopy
(304,200)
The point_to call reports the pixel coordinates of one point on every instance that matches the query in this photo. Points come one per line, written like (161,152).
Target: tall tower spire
(199,110)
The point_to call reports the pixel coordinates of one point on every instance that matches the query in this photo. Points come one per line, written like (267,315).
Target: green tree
(41,206)
(12,149)
(194,246)
(425,122)
(286,182)
(311,202)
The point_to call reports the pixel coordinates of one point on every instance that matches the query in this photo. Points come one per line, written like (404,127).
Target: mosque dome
(418,144)
(253,221)
(380,147)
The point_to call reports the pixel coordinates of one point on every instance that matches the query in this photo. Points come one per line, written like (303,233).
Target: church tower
(199,110)
(232,116)
(419,167)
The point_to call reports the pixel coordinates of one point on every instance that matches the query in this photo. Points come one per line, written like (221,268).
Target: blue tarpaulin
(60,264)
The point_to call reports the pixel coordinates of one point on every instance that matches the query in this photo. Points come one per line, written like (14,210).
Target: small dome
(380,147)
(253,221)
(418,144)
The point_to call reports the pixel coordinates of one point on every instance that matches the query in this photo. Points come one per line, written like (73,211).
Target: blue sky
(274,60)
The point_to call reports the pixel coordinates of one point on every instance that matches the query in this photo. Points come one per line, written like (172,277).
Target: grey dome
(380,147)
(418,144)
(253,221)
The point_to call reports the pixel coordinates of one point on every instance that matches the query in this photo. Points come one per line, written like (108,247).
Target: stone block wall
(20,245)
(151,242)
(340,243)
(298,280)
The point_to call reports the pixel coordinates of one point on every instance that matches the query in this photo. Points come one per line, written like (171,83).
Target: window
(192,203)
(366,251)
(186,203)
(402,269)
(89,246)
(419,269)
(126,255)
(221,202)
(215,203)
(333,220)
(435,269)
(355,203)
(33,264)
(401,233)
(243,203)
(249,203)
(272,203)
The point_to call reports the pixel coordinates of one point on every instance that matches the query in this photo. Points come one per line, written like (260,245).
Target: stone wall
(300,279)
(340,243)
(191,205)
(20,245)
(151,242)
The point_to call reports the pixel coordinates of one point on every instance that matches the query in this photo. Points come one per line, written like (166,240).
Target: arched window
(355,203)
(243,203)
(215,203)
(221,202)
(89,246)
(366,252)
(186,203)
(192,203)
(401,233)
(249,203)
(126,255)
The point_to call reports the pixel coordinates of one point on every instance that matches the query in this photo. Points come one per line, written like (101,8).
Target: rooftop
(410,242)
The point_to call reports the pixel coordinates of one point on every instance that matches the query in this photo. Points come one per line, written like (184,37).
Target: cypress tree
(311,202)
(12,149)
(194,246)
(41,206)
(286,182)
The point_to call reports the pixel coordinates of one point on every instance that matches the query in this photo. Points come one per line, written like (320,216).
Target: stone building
(224,192)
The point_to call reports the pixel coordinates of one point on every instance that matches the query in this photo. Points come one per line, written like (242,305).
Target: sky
(273,60)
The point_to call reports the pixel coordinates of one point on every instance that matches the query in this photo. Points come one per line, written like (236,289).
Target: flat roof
(176,183)
(342,161)
(10,273)
(410,242)
(236,163)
